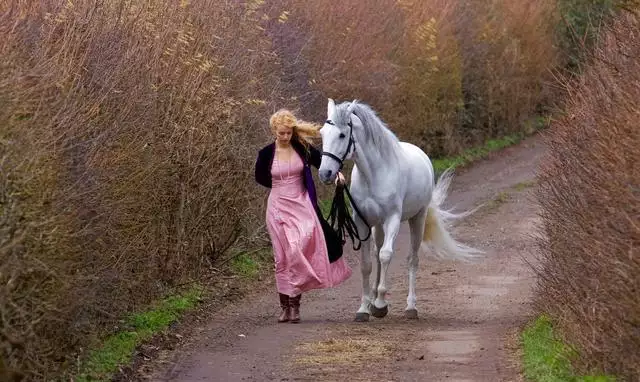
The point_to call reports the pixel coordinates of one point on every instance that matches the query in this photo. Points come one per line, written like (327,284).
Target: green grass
(118,349)
(245,265)
(547,359)
(325,206)
(473,154)
(500,199)
(468,156)
(524,185)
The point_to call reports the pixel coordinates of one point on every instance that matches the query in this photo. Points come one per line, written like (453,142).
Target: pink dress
(299,248)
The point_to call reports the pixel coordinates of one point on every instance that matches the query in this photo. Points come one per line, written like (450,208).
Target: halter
(339,212)
(351,143)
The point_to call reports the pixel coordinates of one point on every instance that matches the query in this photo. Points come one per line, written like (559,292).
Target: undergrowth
(492,145)
(548,359)
(118,348)
(248,265)
(476,153)
(588,263)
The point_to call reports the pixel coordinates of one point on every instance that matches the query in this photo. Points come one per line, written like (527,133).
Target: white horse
(391,182)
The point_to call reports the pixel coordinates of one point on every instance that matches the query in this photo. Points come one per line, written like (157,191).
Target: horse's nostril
(325,175)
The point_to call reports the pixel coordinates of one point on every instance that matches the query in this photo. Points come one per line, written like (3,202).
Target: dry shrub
(442,74)
(428,99)
(127,128)
(590,198)
(508,53)
(347,49)
(475,70)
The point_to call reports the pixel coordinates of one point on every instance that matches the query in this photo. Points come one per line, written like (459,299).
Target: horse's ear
(331,108)
(352,106)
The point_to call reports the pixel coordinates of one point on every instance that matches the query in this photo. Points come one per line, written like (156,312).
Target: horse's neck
(373,169)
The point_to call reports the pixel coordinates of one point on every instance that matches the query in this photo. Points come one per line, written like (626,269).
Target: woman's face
(283,134)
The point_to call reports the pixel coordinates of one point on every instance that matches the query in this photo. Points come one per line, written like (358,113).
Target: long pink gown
(299,248)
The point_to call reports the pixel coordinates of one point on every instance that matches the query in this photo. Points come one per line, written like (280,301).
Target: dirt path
(469,314)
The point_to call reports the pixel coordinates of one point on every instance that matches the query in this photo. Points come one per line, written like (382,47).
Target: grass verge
(547,359)
(118,349)
(530,127)
(248,265)
(475,153)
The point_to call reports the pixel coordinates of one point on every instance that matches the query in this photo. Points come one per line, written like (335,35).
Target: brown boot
(295,308)
(286,308)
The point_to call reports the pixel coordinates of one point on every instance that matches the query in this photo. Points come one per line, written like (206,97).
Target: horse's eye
(342,135)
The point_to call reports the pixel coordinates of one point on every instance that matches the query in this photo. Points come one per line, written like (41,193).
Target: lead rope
(340,213)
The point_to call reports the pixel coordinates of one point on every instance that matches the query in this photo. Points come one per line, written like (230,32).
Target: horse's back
(418,160)
(419,174)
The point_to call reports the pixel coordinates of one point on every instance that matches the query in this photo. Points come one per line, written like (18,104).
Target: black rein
(339,212)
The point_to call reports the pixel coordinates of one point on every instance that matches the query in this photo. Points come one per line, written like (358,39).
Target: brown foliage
(122,158)
(507,63)
(129,129)
(442,74)
(590,198)
(350,46)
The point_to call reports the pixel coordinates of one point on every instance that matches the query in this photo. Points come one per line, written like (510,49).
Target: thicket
(590,201)
(581,24)
(129,129)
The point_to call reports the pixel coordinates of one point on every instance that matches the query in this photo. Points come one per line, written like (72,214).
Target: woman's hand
(340,179)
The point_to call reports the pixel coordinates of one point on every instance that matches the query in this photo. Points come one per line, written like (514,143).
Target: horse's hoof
(362,317)
(379,312)
(411,314)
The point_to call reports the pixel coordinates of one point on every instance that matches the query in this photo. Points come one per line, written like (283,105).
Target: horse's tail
(437,222)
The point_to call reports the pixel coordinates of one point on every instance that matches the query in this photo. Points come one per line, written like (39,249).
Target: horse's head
(337,141)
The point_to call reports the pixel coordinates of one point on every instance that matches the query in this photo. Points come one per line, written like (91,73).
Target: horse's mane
(376,134)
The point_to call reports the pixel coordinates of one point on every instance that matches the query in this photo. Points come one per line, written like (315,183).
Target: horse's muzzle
(326,176)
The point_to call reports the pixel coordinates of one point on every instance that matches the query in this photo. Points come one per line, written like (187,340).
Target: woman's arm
(262,172)
(315,157)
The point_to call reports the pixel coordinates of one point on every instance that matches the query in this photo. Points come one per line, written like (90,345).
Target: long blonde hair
(303,131)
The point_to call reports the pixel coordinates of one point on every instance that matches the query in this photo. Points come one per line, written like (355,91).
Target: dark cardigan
(310,156)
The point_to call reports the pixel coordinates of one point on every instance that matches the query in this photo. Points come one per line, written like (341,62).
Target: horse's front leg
(391,228)
(362,315)
(378,236)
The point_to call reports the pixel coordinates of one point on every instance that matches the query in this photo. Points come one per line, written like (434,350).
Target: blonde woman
(302,261)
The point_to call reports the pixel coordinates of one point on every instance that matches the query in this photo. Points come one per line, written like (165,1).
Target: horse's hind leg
(416,226)
(391,228)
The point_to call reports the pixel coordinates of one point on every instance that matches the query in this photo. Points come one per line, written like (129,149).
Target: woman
(293,222)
